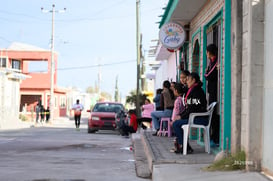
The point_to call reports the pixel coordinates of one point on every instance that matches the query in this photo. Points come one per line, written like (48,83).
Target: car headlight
(95,118)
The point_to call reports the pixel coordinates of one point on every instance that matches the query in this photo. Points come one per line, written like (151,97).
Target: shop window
(195,57)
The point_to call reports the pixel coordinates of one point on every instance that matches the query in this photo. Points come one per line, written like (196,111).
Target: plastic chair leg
(169,129)
(208,141)
(185,138)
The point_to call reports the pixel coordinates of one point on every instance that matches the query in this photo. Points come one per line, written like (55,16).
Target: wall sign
(172,35)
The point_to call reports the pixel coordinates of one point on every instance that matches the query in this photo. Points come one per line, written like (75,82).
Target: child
(179,106)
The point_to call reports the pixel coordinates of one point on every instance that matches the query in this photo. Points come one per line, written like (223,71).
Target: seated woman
(167,98)
(132,127)
(146,118)
(195,101)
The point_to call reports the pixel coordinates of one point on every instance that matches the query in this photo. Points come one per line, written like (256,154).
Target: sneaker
(155,134)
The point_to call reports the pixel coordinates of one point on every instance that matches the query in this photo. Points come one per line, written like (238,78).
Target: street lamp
(52,68)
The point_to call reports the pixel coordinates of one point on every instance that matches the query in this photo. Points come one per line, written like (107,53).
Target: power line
(88,66)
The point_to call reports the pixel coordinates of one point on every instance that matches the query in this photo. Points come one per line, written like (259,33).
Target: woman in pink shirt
(147,108)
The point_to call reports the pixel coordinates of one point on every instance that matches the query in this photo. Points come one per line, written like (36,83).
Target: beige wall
(252,82)
(267,160)
(9,101)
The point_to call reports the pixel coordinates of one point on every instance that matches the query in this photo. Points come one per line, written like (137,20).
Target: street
(60,152)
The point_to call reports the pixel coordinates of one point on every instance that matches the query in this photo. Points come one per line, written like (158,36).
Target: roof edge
(168,12)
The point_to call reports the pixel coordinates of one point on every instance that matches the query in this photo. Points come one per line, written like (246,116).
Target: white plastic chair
(191,124)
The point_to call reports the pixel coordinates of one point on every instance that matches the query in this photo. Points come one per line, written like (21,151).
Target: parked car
(103,116)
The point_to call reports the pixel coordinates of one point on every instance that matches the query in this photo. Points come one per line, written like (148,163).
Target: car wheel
(89,130)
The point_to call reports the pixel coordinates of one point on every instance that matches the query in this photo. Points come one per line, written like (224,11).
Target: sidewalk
(155,161)
(57,122)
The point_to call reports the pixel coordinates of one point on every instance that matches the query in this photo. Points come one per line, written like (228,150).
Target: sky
(88,34)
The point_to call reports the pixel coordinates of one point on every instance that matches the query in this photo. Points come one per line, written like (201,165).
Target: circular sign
(172,35)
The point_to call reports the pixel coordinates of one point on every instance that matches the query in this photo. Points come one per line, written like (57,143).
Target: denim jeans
(179,131)
(157,115)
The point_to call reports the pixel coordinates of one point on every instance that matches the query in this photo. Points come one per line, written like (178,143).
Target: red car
(103,116)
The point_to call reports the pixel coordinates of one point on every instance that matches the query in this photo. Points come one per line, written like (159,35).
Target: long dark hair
(167,85)
(195,76)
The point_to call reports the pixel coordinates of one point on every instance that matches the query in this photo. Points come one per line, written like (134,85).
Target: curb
(148,152)
(141,164)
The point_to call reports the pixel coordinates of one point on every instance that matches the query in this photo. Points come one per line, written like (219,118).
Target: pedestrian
(42,113)
(211,76)
(195,100)
(47,113)
(167,97)
(132,127)
(77,113)
(37,111)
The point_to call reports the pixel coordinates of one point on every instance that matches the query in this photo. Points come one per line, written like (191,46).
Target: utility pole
(52,69)
(138,58)
(99,80)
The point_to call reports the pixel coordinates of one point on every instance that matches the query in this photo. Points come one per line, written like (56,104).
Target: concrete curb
(148,152)
(142,167)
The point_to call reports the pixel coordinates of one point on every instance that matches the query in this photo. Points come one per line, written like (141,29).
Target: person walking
(77,113)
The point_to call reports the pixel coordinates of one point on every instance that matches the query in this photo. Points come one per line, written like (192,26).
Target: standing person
(47,112)
(147,108)
(77,113)
(157,100)
(132,127)
(37,111)
(42,113)
(195,102)
(168,100)
(211,76)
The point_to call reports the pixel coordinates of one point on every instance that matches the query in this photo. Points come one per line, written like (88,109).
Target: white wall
(167,71)
(267,161)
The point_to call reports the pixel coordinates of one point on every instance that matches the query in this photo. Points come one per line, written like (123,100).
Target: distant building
(19,57)
(10,78)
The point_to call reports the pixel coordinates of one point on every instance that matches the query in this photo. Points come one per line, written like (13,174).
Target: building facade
(242,32)
(36,88)
(10,79)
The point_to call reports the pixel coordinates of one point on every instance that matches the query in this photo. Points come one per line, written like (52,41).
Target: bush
(229,163)
(23,117)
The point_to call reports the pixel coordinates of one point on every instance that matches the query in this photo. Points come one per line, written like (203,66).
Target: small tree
(131,99)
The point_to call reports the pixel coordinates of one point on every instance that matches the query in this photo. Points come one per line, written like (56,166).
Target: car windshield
(108,107)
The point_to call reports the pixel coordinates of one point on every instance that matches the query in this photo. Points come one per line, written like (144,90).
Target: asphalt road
(61,153)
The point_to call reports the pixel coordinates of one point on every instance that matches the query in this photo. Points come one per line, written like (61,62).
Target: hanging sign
(172,35)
